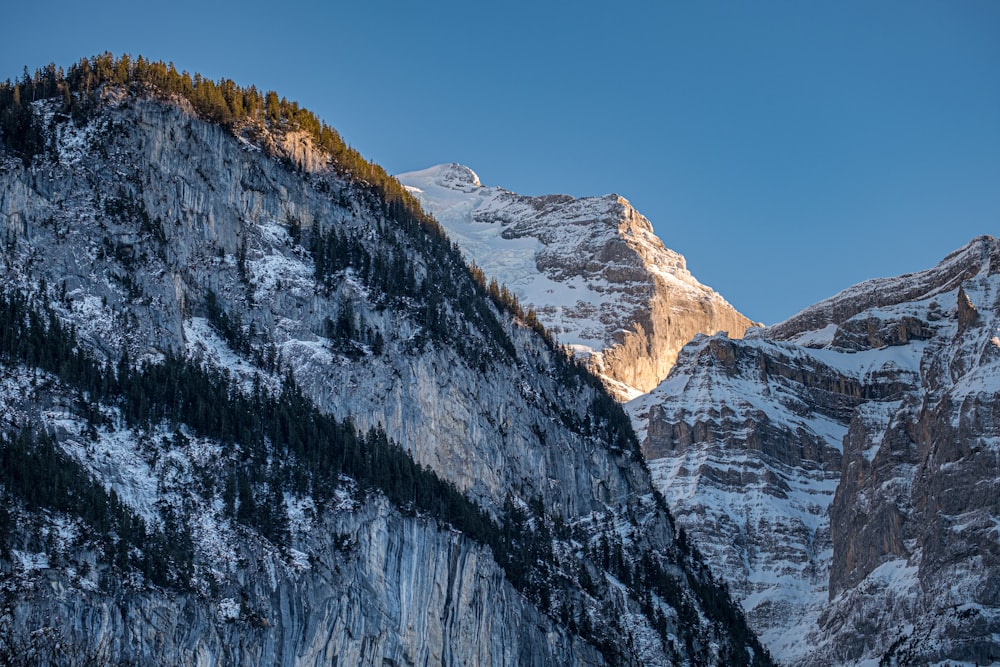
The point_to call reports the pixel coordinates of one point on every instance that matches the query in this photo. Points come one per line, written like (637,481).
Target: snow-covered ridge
(592,268)
(977,256)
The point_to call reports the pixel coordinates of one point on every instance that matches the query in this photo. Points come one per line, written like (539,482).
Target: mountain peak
(452,176)
(591,268)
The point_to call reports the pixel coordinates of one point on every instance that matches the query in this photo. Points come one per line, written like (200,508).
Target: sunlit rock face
(591,268)
(840,469)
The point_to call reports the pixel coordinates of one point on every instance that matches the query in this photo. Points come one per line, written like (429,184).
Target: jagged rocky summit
(840,470)
(256,410)
(592,270)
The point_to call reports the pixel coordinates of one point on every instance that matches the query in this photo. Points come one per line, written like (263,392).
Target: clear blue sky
(787,149)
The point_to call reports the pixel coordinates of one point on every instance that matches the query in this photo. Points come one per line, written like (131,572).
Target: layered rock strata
(838,469)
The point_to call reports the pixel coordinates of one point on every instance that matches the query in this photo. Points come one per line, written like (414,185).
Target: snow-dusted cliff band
(592,269)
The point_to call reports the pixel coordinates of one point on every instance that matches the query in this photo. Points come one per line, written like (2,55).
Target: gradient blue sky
(787,149)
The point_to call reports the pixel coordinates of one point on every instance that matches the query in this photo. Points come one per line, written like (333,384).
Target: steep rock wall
(378,589)
(839,468)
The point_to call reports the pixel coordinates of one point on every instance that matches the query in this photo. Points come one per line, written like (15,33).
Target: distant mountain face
(592,269)
(214,336)
(840,469)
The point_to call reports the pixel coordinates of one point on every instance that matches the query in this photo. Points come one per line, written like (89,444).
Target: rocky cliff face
(154,236)
(838,469)
(370,587)
(592,269)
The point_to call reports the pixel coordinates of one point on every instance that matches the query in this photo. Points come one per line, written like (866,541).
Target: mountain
(839,470)
(591,269)
(257,410)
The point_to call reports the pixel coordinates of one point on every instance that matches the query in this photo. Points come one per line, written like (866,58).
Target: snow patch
(116,459)
(228,610)
(301,512)
(298,560)
(205,345)
(819,338)
(31,562)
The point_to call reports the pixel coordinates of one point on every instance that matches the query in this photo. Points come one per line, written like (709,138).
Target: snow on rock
(278,265)
(301,511)
(31,561)
(298,560)
(207,346)
(228,609)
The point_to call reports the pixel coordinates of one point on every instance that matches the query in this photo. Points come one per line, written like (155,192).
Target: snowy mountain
(256,410)
(592,270)
(839,470)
